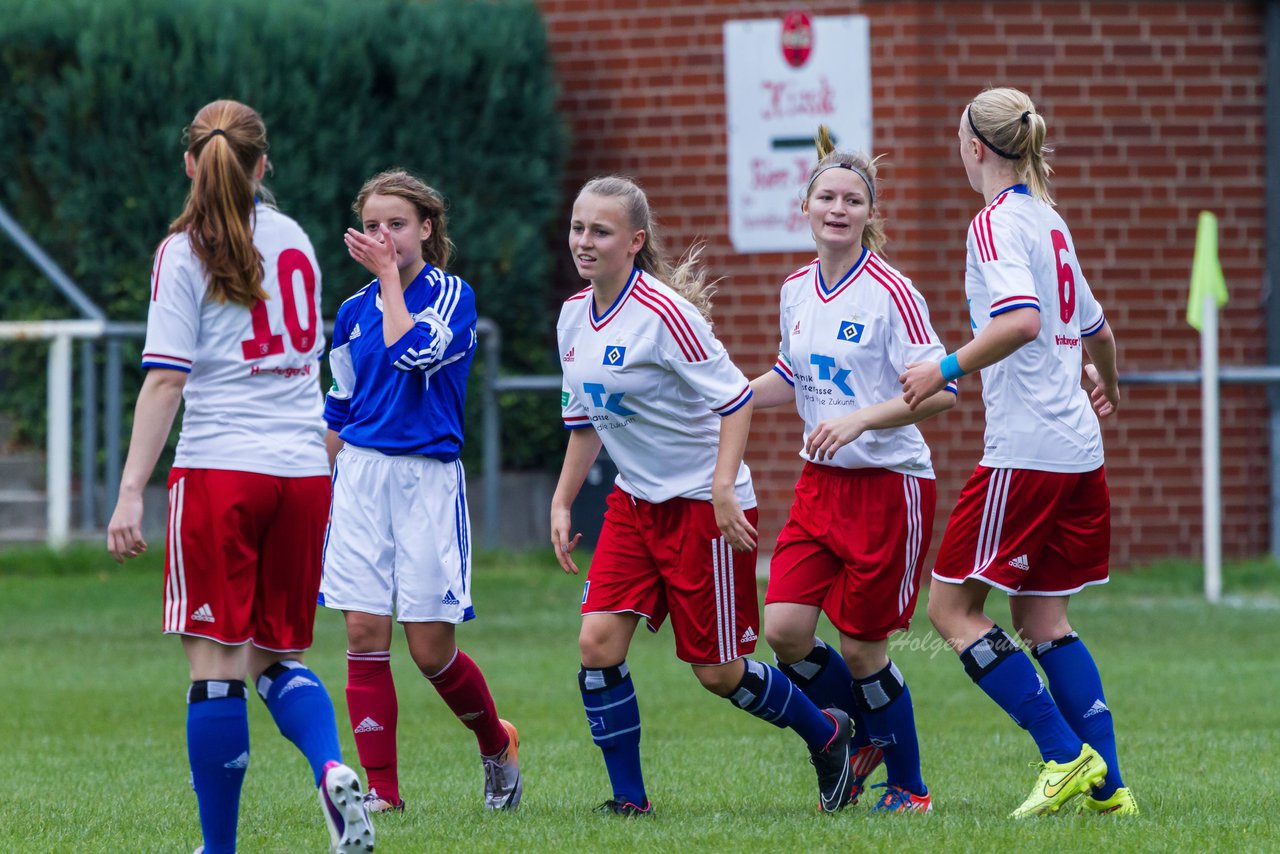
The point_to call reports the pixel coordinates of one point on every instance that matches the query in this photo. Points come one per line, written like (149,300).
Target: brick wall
(1155,111)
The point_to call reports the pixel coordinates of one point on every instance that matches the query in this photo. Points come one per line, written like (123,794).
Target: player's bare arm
(834,433)
(732,522)
(770,389)
(1105,394)
(332,445)
(584,447)
(1001,337)
(378,256)
(157,406)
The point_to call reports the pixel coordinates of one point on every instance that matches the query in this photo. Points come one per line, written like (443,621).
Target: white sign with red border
(782,79)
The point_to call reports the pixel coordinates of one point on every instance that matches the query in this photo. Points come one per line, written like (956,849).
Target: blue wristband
(951,370)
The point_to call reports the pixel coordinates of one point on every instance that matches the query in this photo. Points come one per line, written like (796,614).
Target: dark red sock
(462,686)
(371,703)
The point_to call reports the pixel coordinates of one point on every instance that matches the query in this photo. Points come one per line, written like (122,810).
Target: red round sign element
(797,38)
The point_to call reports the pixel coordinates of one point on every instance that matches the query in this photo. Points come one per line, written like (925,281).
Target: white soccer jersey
(843,348)
(253,400)
(1020,254)
(653,381)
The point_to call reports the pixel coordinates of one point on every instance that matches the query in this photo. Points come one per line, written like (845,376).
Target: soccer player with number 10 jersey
(234,330)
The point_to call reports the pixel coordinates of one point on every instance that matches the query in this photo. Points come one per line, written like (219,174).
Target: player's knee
(788,644)
(368,635)
(937,614)
(596,648)
(431,658)
(720,680)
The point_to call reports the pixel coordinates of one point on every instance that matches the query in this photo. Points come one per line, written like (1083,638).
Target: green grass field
(92,719)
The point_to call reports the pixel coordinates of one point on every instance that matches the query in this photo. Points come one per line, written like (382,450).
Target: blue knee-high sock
(824,677)
(1001,669)
(303,712)
(1077,689)
(218,750)
(770,696)
(891,723)
(609,698)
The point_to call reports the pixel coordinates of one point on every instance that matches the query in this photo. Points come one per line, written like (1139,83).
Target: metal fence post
(112,415)
(59,441)
(88,436)
(491,430)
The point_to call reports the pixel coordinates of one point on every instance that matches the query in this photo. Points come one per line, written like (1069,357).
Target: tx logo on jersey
(614,355)
(826,371)
(602,399)
(850,331)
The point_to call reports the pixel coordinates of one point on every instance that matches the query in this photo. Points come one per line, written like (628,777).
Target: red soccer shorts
(242,557)
(1029,533)
(854,545)
(655,559)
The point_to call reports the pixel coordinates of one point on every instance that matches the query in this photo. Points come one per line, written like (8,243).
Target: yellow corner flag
(1206,271)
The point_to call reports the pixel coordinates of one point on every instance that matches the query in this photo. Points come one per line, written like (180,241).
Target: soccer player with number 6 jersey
(399,539)
(234,329)
(645,378)
(1034,520)
(854,542)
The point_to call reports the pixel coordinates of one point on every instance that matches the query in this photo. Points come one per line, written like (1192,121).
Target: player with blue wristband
(1034,520)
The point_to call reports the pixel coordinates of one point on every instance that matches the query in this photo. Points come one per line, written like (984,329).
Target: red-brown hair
(226,141)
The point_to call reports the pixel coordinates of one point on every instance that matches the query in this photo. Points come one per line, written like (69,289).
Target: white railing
(58,446)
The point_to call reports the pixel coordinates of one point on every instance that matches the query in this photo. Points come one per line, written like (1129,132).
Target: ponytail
(226,140)
(1005,121)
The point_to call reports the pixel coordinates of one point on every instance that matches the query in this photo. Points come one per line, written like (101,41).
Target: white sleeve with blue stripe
(173,317)
(337,403)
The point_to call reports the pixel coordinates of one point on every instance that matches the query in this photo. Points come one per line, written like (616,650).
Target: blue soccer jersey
(407,398)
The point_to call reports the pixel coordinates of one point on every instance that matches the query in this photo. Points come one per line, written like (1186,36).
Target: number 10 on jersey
(263,343)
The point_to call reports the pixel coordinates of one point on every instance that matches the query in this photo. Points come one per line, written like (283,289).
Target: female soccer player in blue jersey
(645,378)
(234,329)
(399,538)
(1034,520)
(855,539)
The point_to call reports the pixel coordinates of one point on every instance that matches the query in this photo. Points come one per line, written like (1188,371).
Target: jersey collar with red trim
(612,311)
(826,294)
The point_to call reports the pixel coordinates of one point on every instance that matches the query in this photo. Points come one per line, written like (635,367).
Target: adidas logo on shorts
(1020,562)
(204,613)
(368,725)
(449,598)
(748,636)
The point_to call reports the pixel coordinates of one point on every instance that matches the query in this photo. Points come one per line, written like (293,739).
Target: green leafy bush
(94,96)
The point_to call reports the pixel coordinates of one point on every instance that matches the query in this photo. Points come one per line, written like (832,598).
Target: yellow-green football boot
(1120,803)
(1059,782)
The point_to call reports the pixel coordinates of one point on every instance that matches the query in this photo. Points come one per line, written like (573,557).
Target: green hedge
(94,95)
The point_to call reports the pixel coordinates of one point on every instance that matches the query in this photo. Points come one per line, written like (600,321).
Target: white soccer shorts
(399,538)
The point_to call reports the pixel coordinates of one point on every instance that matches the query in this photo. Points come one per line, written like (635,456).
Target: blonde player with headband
(234,329)
(645,377)
(1034,520)
(854,543)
